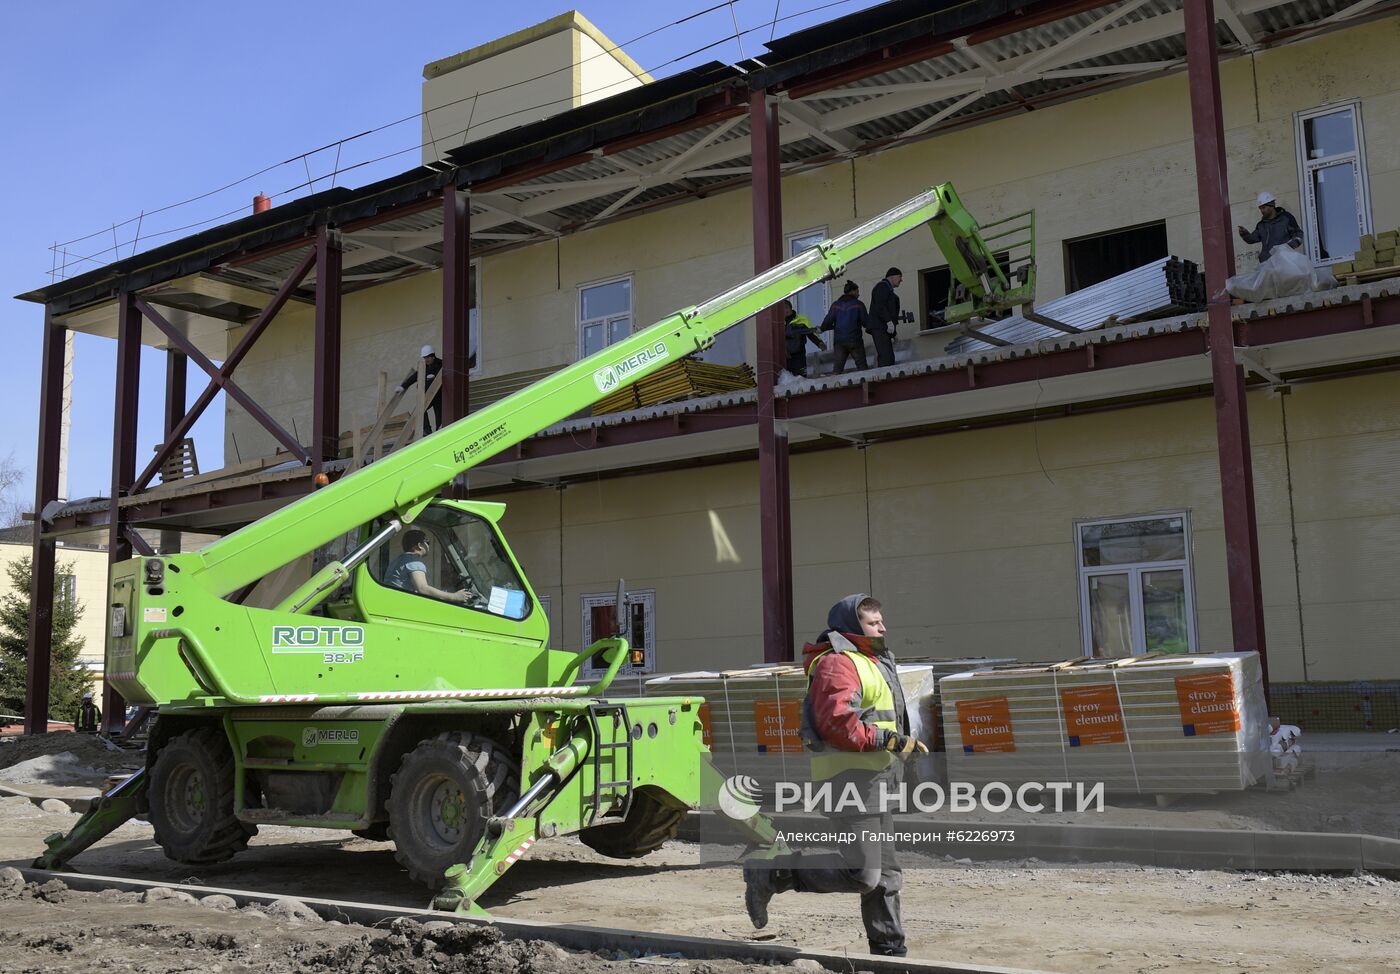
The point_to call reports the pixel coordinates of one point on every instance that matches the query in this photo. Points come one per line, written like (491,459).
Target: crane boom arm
(406,480)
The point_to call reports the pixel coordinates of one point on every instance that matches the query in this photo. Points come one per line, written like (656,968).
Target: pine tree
(69,678)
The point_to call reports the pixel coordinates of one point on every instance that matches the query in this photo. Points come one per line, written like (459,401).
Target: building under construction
(1152,475)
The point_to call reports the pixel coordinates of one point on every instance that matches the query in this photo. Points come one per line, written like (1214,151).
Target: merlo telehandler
(296,684)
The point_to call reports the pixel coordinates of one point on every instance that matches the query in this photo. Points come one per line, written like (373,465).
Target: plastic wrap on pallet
(1170,725)
(1162,287)
(752,717)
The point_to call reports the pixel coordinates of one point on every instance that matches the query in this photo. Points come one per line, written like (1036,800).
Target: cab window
(452,556)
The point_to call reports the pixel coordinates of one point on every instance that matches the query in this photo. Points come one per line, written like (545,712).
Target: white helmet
(1265,197)
(427,350)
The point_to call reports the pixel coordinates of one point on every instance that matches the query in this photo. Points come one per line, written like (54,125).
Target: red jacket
(834,697)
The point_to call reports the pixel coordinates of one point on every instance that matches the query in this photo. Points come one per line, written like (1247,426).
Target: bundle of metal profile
(1164,287)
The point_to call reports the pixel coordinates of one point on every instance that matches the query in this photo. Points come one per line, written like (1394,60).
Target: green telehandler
(297,684)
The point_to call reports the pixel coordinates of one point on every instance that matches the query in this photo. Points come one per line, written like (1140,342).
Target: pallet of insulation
(1140,725)
(942,667)
(753,717)
(685,379)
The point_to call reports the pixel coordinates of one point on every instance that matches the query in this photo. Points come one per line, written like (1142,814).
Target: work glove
(903,745)
(889,328)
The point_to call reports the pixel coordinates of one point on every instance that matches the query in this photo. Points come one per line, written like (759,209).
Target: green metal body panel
(318,708)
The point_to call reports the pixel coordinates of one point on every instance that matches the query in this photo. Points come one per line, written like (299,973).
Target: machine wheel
(440,799)
(191,799)
(653,819)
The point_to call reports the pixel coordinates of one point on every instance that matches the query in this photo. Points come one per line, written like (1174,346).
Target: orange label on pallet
(1093,715)
(986,725)
(1207,704)
(779,725)
(706,731)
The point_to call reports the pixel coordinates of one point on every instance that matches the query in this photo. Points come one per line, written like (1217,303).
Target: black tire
(191,799)
(440,799)
(651,822)
(375,832)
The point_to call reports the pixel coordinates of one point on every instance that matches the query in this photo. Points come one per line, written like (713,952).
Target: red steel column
(36,703)
(456,304)
(325,405)
(123,463)
(774,508)
(176,393)
(1231,408)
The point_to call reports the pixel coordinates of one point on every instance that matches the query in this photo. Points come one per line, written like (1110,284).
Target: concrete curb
(573,936)
(1144,846)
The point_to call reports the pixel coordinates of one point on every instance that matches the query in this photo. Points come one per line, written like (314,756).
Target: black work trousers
(884,346)
(843,352)
(867,867)
(434,407)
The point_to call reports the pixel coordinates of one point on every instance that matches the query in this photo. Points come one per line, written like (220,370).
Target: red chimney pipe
(261,203)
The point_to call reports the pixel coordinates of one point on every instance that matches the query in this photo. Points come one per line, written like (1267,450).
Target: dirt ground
(51,929)
(1070,920)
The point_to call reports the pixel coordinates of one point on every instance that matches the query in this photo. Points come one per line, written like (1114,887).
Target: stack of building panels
(753,717)
(946,667)
(1177,724)
(1163,287)
(685,379)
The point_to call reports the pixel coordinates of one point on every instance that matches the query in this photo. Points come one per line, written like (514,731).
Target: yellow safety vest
(876,707)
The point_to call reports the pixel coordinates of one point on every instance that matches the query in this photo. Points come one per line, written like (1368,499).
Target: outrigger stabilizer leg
(121,803)
(509,835)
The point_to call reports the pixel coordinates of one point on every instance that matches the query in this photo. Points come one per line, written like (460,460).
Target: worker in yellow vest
(854,719)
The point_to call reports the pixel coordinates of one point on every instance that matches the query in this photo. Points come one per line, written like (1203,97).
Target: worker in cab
(1276,227)
(848,321)
(798,330)
(89,716)
(409,571)
(854,719)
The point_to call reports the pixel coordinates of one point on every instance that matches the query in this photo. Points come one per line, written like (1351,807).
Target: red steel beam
(774,506)
(217,378)
(46,487)
(325,405)
(124,413)
(1231,408)
(177,431)
(456,304)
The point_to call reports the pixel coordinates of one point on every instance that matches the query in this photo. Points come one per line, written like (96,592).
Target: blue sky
(112,109)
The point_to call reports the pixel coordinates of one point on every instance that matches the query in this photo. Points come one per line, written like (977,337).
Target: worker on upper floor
(432,365)
(848,320)
(1275,228)
(884,313)
(798,330)
(855,720)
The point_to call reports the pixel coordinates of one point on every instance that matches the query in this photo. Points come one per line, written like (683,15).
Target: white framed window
(1332,181)
(1135,588)
(600,619)
(604,314)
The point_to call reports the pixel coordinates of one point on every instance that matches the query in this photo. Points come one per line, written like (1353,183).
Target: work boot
(761,883)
